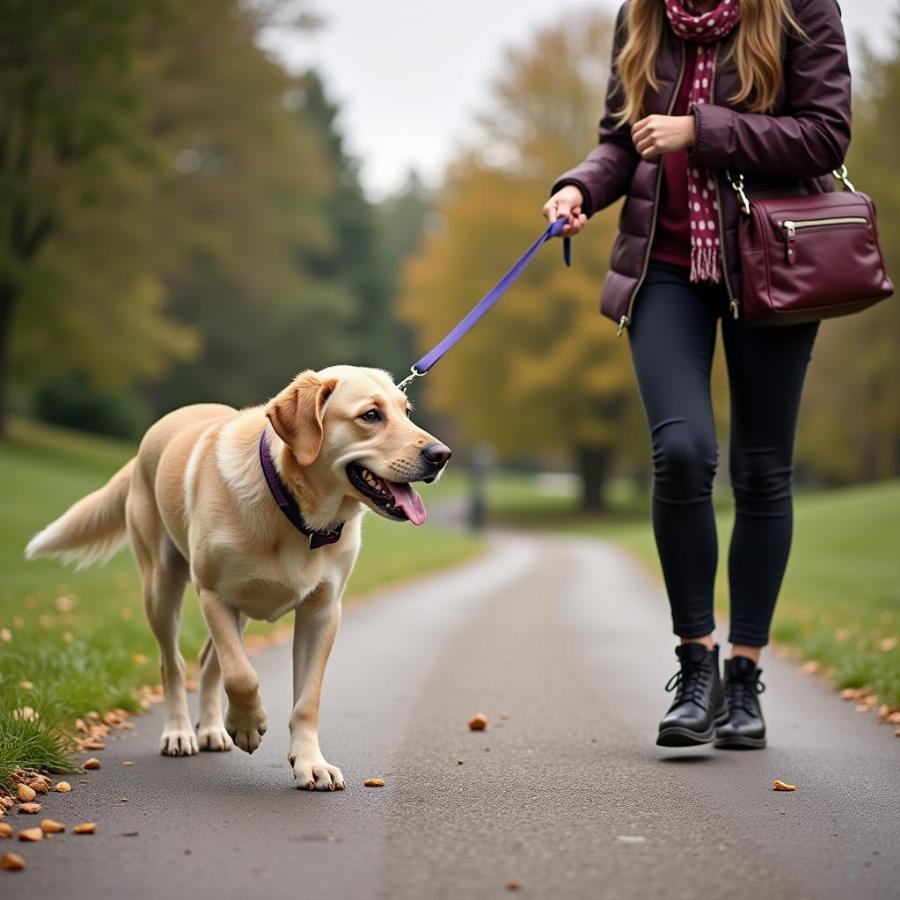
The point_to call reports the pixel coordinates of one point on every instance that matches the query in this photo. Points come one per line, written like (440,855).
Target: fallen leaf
(459,762)
(513,885)
(29,809)
(24,792)
(127,762)
(811,667)
(85,828)
(92,745)
(31,834)
(888,644)
(41,784)
(852,693)
(5,830)
(92,763)
(374,782)
(894,718)
(783,786)
(11,862)
(478,722)
(26,685)
(51,826)
(63,787)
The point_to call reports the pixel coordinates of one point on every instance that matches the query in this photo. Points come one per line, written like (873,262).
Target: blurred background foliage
(180,221)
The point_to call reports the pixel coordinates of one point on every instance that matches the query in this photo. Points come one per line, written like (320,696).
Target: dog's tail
(90,531)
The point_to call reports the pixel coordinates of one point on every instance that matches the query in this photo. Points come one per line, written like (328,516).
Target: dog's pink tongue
(409,501)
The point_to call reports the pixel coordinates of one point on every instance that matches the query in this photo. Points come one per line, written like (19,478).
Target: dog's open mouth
(396,499)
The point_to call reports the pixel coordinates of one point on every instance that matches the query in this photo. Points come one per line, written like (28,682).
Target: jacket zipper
(790,227)
(733,302)
(625,321)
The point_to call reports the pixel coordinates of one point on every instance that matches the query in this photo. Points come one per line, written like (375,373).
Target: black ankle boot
(699,703)
(745,728)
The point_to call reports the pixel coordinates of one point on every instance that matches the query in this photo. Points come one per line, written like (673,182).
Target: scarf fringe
(705,264)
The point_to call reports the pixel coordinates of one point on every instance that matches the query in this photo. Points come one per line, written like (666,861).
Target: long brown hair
(756,51)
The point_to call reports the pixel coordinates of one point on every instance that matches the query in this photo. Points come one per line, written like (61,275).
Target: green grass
(80,639)
(840,603)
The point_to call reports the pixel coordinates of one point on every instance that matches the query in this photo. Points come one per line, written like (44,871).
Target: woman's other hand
(566,202)
(656,135)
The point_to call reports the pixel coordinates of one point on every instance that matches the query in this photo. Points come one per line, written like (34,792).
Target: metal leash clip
(415,373)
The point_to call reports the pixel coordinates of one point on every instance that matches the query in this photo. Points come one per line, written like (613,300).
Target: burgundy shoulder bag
(808,258)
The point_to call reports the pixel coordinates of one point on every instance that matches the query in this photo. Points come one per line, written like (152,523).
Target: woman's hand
(656,135)
(566,202)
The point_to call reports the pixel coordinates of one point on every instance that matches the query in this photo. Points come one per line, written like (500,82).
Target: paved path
(564,644)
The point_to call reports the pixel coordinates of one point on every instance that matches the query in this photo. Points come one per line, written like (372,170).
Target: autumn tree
(543,371)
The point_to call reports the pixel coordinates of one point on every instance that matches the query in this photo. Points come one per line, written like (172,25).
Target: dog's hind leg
(164,576)
(163,589)
(211,733)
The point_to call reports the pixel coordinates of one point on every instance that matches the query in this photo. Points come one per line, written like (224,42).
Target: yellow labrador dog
(260,509)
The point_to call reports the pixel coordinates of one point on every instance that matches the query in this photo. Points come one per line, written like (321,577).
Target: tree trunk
(593,466)
(7,303)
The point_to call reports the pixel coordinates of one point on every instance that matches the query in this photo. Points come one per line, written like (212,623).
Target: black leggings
(672,336)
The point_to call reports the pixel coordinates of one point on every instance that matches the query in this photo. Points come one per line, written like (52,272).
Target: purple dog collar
(286,502)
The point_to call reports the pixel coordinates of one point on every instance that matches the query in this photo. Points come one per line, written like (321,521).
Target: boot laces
(742,692)
(691,682)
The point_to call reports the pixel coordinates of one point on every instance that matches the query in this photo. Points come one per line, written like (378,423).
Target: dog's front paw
(246,725)
(314,774)
(178,741)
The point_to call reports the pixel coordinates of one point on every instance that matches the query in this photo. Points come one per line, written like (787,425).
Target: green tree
(356,257)
(72,157)
(242,204)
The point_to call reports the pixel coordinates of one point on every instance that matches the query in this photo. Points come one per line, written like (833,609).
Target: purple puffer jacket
(787,152)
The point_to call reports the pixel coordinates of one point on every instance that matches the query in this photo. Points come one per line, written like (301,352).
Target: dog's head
(351,426)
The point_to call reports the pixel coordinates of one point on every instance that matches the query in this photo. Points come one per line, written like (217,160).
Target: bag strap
(737,184)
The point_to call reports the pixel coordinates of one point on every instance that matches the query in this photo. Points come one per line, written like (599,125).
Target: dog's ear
(296,414)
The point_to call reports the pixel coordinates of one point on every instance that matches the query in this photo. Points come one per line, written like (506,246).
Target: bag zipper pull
(735,308)
(624,322)
(790,235)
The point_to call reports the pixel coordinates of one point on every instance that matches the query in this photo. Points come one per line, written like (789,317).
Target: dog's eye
(371,415)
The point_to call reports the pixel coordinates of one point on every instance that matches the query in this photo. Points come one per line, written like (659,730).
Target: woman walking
(698,89)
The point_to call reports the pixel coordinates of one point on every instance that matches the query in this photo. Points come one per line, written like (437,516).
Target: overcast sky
(410,73)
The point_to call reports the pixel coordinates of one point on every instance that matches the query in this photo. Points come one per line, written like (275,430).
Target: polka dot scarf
(705,29)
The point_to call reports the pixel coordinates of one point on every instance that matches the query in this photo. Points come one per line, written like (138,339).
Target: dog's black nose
(437,454)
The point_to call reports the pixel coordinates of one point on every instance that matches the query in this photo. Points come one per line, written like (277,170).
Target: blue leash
(420,368)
